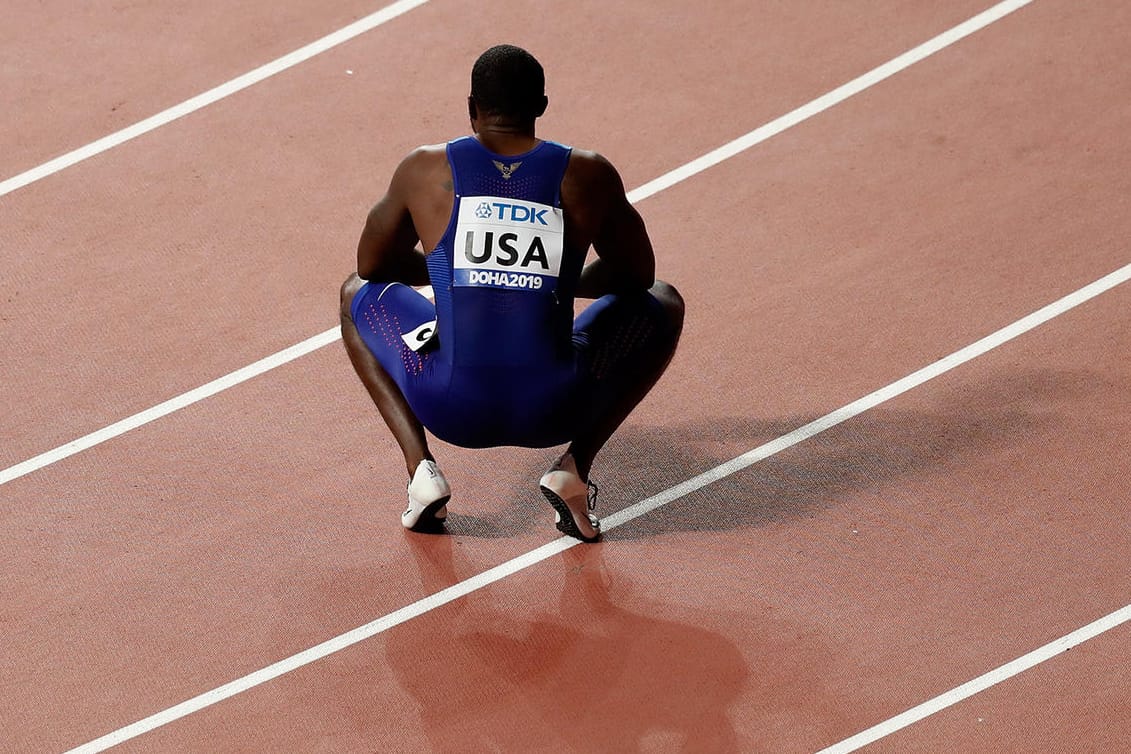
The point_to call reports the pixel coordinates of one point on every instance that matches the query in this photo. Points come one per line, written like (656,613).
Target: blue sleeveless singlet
(503,280)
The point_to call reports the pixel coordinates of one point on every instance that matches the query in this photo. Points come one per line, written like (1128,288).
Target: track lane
(76,73)
(1079,697)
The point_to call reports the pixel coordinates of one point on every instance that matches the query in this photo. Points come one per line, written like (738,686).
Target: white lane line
(825,101)
(320,651)
(982,682)
(612,521)
(173,404)
(654,186)
(859,406)
(177,403)
(215,94)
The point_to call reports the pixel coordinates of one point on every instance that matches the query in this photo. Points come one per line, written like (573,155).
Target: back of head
(507,81)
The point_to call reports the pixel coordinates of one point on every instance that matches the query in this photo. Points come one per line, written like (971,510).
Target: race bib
(420,337)
(507,243)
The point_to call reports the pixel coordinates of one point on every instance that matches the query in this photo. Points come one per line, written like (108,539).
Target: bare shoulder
(591,184)
(592,168)
(428,153)
(421,192)
(421,165)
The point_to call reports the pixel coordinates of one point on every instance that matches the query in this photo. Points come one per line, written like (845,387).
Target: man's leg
(390,401)
(643,368)
(428,490)
(628,343)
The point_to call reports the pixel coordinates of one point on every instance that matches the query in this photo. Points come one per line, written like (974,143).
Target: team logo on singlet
(507,243)
(505,169)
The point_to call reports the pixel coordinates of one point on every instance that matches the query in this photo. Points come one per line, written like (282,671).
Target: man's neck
(506,138)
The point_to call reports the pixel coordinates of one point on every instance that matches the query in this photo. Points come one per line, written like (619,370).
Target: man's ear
(472,110)
(542,108)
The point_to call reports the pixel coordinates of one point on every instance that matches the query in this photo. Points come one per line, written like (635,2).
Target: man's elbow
(642,282)
(366,271)
(643,275)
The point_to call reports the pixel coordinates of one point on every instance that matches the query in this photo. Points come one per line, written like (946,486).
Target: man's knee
(350,288)
(672,302)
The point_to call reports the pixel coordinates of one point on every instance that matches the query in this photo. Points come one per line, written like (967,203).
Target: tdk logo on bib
(515,213)
(507,243)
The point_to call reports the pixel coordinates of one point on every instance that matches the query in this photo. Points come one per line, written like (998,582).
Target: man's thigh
(396,323)
(616,336)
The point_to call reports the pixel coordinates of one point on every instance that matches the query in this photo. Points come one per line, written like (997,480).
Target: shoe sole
(428,520)
(566,523)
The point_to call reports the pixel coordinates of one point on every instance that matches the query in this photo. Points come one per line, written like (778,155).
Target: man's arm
(625,259)
(387,250)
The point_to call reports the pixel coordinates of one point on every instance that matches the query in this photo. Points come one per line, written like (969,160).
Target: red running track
(784,607)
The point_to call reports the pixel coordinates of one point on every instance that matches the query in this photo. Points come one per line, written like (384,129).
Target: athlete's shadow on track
(868,452)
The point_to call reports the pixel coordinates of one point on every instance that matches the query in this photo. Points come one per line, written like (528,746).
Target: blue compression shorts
(478,407)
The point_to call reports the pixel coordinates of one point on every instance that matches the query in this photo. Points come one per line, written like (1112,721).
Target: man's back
(593,201)
(502,273)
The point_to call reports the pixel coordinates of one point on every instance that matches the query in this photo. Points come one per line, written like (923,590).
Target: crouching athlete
(505,221)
